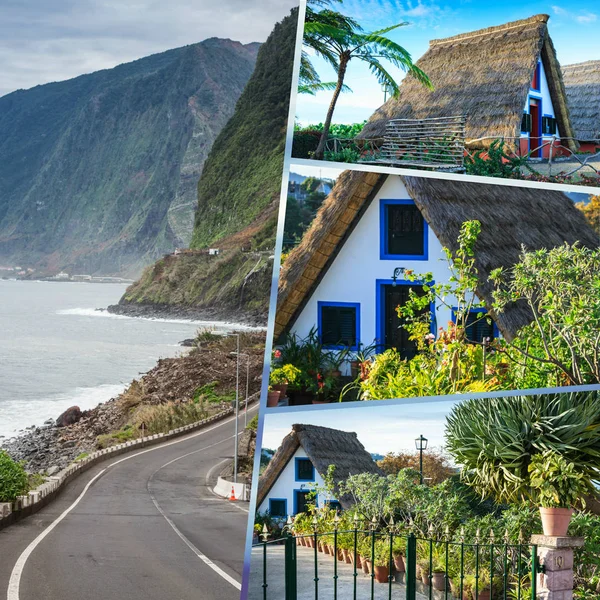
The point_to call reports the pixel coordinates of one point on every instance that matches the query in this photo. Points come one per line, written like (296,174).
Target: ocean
(57,350)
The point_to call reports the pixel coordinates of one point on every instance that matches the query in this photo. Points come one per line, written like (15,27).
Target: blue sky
(573,28)
(381,428)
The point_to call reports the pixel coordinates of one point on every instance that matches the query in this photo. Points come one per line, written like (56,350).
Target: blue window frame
(300,500)
(403,231)
(305,471)
(380,308)
(338,324)
(478,331)
(278,507)
(548,125)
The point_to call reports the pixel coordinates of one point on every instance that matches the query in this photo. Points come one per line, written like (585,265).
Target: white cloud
(53,40)
(582,16)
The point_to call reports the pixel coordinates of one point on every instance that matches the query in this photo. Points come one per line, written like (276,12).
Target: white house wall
(544,95)
(352,276)
(286,484)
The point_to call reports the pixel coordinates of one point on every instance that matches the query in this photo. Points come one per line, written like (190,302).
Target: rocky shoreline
(55,444)
(179,311)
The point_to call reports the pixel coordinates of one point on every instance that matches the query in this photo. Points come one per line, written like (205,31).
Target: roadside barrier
(23,506)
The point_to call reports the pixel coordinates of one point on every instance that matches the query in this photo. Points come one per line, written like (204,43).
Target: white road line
(236,584)
(17,572)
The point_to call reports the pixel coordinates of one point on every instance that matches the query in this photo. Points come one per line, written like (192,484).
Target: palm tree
(338,39)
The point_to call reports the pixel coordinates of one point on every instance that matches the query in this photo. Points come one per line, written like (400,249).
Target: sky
(381,428)
(52,40)
(573,28)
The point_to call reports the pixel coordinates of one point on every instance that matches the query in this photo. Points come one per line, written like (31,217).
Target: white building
(300,463)
(340,279)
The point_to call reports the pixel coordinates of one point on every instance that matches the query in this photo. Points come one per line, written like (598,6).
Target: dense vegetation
(242,176)
(98,173)
(238,197)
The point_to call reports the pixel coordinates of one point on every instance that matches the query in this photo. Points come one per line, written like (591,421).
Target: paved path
(145,525)
(306,574)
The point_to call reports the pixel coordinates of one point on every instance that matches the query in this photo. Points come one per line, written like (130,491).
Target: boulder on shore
(69,417)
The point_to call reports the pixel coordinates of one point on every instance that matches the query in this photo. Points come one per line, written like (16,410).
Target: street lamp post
(421,444)
(237,400)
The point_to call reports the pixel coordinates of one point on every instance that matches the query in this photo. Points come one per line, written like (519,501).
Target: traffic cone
(232,497)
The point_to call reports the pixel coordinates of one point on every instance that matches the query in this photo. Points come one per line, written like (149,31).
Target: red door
(535,137)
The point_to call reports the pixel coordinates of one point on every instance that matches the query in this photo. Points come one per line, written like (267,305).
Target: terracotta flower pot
(364,566)
(325,548)
(316,400)
(320,546)
(399,564)
(347,556)
(356,557)
(310,542)
(382,574)
(281,388)
(273,398)
(299,541)
(418,571)
(438,581)
(336,374)
(555,521)
(354,366)
(483,594)
(369,566)
(424,576)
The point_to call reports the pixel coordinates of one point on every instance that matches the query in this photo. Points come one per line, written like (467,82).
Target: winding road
(144,525)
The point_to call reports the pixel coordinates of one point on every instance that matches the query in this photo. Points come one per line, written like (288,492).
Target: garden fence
(372,566)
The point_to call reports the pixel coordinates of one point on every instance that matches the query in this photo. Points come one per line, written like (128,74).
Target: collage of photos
(299,300)
(431,427)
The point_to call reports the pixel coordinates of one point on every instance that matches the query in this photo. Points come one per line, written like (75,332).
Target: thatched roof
(582,82)
(510,217)
(324,447)
(484,75)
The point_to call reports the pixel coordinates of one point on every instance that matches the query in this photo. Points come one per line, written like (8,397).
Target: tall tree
(339,39)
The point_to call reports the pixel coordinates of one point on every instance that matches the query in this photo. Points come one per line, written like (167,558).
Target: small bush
(305,143)
(13,478)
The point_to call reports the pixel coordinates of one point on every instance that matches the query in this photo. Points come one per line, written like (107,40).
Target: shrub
(13,478)
(305,143)
(495,440)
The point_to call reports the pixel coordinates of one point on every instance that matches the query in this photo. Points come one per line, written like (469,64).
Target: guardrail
(23,506)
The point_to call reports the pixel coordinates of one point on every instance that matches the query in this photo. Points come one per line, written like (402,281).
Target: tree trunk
(320,151)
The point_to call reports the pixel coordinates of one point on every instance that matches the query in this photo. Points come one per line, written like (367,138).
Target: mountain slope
(98,173)
(238,197)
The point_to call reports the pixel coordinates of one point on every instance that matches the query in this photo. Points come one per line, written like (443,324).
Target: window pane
(405,227)
(338,325)
(277,508)
(305,470)
(478,331)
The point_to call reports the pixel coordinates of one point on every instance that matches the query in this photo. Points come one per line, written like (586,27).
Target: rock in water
(69,417)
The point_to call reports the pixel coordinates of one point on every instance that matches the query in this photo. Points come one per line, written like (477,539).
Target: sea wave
(101,312)
(16,415)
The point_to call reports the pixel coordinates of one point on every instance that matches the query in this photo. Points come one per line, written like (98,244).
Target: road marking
(17,572)
(236,584)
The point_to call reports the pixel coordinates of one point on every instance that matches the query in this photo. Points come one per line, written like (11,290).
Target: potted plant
(364,547)
(281,377)
(382,561)
(398,553)
(438,575)
(273,397)
(557,486)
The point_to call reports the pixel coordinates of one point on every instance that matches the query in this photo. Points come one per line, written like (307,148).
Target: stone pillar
(555,555)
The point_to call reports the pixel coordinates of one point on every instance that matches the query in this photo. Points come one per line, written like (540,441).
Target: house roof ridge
(540,18)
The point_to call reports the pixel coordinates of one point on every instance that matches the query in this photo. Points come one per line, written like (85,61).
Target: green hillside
(238,197)
(98,174)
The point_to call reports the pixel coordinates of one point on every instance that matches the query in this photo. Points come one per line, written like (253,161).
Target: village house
(348,274)
(300,464)
(582,82)
(505,80)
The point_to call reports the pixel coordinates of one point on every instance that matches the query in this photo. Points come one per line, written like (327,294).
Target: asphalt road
(145,525)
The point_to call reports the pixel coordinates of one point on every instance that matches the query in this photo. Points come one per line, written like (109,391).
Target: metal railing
(482,569)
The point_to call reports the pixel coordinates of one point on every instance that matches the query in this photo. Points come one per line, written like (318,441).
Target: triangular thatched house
(340,279)
(582,82)
(505,80)
(301,462)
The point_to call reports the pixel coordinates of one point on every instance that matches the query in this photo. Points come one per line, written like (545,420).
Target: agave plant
(495,439)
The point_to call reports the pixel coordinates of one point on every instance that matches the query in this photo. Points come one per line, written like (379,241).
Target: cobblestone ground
(306,574)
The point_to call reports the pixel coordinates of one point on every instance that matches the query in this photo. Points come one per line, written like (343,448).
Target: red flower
(277,353)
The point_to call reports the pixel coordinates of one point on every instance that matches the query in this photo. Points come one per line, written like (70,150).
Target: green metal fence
(484,568)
